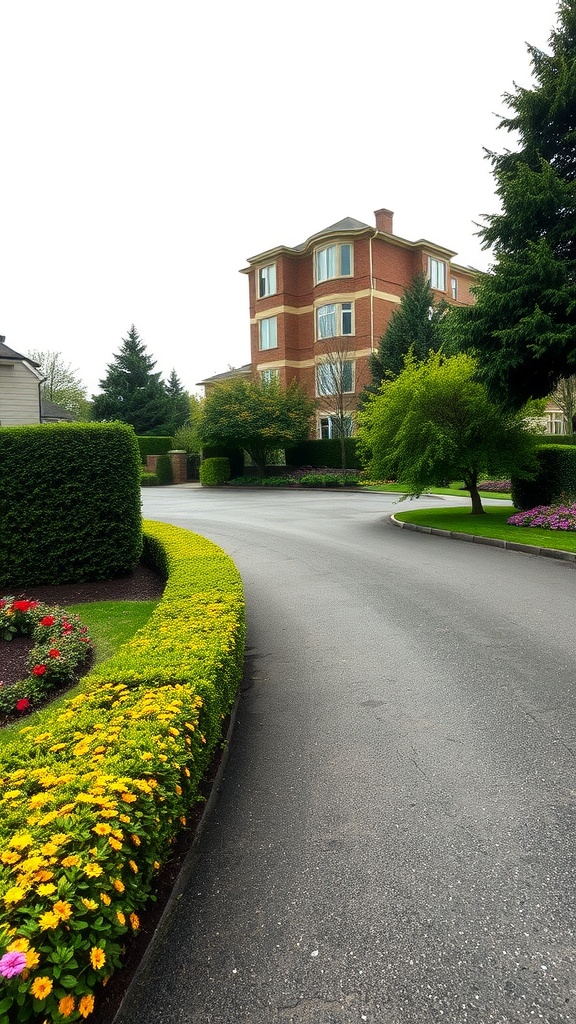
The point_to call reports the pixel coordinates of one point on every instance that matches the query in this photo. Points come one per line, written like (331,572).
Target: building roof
(51,412)
(346,224)
(9,354)
(234,371)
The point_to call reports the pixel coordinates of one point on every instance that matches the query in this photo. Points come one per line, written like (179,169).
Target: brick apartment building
(330,298)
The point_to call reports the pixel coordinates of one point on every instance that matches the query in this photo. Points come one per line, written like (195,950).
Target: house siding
(19,397)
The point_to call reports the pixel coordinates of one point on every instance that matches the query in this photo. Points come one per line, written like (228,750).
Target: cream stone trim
(299,364)
(324,301)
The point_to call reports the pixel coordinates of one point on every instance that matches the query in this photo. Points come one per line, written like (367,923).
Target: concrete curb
(494,542)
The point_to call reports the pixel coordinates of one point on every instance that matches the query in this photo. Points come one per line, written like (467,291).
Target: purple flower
(12,964)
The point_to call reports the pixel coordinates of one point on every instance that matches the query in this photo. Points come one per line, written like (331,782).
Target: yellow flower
(10,857)
(121,917)
(97,957)
(43,875)
(178,790)
(63,910)
(135,839)
(134,921)
(114,843)
(93,870)
(20,842)
(41,987)
(118,885)
(46,889)
(32,959)
(183,820)
(85,1006)
(110,813)
(57,747)
(147,756)
(156,865)
(66,1006)
(173,731)
(18,946)
(187,772)
(101,829)
(14,895)
(133,866)
(105,899)
(49,849)
(128,798)
(71,862)
(124,818)
(48,920)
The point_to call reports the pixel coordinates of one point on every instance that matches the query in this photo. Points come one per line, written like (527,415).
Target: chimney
(384,219)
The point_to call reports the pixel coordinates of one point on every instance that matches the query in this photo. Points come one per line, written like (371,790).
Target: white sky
(147,149)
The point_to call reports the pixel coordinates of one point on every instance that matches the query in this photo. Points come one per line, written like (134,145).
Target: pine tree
(178,404)
(414,325)
(523,325)
(131,391)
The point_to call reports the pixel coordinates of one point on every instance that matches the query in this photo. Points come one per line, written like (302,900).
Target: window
(454,287)
(555,423)
(333,261)
(334,320)
(437,274)
(335,378)
(269,332)
(269,375)
(335,426)
(267,281)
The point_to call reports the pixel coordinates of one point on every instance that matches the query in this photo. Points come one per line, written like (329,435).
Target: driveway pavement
(394,836)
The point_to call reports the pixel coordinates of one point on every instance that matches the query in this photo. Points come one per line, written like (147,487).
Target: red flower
(22,704)
(54,653)
(48,620)
(38,670)
(23,606)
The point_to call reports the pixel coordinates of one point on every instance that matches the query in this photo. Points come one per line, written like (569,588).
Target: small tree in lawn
(435,421)
(62,384)
(259,416)
(338,381)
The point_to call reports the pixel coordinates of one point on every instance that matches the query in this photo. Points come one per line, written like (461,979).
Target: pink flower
(22,704)
(12,964)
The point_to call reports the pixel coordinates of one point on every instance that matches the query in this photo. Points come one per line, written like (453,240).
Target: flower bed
(60,646)
(93,795)
(547,517)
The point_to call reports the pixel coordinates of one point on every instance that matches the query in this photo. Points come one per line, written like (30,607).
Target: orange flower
(71,862)
(128,798)
(85,1006)
(97,957)
(63,910)
(66,1005)
(133,866)
(118,885)
(105,899)
(41,987)
(135,921)
(121,917)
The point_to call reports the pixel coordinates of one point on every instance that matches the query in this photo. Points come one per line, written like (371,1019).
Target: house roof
(11,355)
(50,411)
(234,371)
(346,224)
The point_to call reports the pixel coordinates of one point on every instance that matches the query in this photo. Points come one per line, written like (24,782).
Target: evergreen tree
(414,325)
(131,391)
(178,403)
(523,325)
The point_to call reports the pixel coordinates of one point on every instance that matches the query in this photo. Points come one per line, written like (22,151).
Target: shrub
(164,470)
(94,794)
(496,486)
(235,457)
(148,479)
(555,478)
(555,517)
(69,503)
(214,472)
(149,445)
(328,480)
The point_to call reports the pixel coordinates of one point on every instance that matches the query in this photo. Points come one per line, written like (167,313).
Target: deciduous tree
(435,421)
(62,384)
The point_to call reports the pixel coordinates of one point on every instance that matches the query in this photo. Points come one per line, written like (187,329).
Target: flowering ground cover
(60,648)
(92,796)
(547,517)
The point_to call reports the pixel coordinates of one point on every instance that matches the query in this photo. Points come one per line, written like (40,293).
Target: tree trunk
(471,485)
(343,449)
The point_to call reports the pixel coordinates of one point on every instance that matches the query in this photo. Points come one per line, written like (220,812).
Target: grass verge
(112,623)
(456,489)
(493,524)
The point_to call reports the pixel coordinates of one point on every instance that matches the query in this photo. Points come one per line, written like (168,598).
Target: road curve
(394,840)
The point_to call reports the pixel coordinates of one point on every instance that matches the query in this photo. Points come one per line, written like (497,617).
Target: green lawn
(456,489)
(493,524)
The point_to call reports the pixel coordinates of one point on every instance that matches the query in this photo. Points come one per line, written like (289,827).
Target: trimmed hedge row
(150,445)
(321,453)
(214,472)
(555,478)
(94,794)
(69,503)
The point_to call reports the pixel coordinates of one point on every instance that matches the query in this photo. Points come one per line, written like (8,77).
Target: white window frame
(326,426)
(332,371)
(338,314)
(267,281)
(269,375)
(555,423)
(454,288)
(268,334)
(437,274)
(328,261)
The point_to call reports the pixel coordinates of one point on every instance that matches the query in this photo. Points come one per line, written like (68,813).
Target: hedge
(95,792)
(235,457)
(69,503)
(555,479)
(150,445)
(324,453)
(556,439)
(214,472)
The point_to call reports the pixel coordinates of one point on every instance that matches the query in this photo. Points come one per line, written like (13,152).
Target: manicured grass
(456,489)
(112,623)
(492,524)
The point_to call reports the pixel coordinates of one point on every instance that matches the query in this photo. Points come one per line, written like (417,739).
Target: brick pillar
(151,462)
(179,460)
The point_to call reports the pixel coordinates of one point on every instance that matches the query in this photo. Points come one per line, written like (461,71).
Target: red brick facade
(308,319)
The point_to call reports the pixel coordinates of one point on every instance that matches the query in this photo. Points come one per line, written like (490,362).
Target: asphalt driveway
(394,840)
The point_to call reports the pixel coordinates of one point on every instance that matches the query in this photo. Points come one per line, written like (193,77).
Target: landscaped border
(94,794)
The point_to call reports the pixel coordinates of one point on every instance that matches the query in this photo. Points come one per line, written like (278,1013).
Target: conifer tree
(131,391)
(414,325)
(522,327)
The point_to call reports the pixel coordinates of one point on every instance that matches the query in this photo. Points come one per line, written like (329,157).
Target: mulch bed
(142,584)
